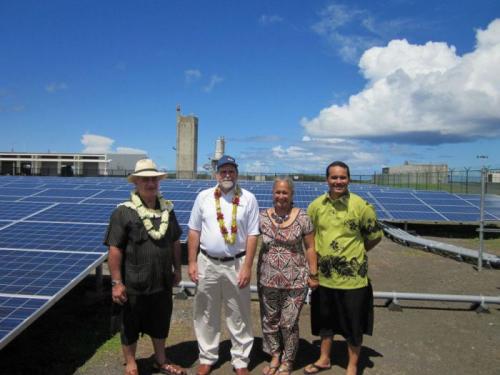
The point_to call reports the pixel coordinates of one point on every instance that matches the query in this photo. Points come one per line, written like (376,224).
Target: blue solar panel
(75,193)
(467,209)
(49,236)
(76,213)
(179,195)
(449,201)
(182,216)
(14,312)
(385,200)
(41,273)
(19,210)
(467,217)
(37,199)
(114,201)
(183,205)
(17,192)
(417,216)
(408,207)
(115,194)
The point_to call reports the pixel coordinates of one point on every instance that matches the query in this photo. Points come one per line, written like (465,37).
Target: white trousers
(217,287)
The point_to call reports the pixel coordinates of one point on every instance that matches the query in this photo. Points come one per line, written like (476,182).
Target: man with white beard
(224,226)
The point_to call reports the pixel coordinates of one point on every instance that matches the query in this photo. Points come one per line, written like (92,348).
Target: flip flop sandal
(314,369)
(270,369)
(285,369)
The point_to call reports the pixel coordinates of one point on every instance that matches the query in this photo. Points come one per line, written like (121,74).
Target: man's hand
(119,294)
(193,271)
(244,276)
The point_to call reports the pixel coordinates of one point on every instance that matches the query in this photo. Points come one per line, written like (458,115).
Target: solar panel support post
(481,221)
(98,278)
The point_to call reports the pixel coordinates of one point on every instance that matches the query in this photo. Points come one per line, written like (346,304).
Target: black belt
(223,259)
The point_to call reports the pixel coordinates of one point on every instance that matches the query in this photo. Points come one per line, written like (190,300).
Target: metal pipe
(402,295)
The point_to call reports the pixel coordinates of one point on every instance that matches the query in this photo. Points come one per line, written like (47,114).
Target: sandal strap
(171,368)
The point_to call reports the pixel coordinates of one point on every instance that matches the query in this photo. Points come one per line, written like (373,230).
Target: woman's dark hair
(339,164)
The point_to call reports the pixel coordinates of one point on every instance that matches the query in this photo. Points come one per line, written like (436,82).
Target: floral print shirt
(340,227)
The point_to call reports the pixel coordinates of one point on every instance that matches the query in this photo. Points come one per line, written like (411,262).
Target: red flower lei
(230,239)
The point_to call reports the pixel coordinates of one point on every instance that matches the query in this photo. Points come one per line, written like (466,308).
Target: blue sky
(291,85)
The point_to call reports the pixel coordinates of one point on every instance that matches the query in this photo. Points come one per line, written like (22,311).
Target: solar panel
(17,192)
(41,273)
(75,193)
(467,217)
(53,236)
(15,314)
(37,199)
(76,213)
(18,210)
(417,216)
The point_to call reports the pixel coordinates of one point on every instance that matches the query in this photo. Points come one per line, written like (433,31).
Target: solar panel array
(51,228)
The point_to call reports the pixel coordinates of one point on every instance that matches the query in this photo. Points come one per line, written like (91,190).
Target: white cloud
(421,94)
(351,30)
(257,166)
(96,144)
(129,150)
(192,75)
(267,19)
(214,80)
(55,86)
(99,144)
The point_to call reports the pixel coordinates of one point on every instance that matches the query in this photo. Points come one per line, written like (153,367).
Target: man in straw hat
(224,224)
(144,262)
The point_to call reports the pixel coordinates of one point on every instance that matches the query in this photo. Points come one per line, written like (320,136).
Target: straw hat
(146,168)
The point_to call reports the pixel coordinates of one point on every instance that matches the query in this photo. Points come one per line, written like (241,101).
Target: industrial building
(68,164)
(187,146)
(415,173)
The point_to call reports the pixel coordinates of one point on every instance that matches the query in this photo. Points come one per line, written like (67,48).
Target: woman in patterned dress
(287,267)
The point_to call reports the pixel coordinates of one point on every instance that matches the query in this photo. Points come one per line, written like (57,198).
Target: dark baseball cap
(226,159)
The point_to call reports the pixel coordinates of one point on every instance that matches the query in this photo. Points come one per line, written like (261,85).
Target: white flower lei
(146,214)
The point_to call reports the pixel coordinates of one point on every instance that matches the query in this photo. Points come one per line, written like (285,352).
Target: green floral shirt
(340,227)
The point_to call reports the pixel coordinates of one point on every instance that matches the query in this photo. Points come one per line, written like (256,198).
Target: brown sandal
(168,368)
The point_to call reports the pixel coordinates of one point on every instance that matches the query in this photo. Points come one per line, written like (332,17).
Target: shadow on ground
(78,325)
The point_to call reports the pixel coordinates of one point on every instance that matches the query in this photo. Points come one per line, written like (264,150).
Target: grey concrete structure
(220,147)
(67,164)
(415,173)
(122,164)
(187,146)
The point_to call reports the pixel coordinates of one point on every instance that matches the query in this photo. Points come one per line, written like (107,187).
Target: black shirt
(147,263)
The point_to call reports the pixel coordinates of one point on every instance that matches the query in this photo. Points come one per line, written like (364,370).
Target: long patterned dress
(282,275)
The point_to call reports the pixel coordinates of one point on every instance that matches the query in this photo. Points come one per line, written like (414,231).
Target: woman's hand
(312,283)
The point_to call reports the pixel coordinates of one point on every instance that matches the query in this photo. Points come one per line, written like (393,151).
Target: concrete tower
(220,146)
(187,145)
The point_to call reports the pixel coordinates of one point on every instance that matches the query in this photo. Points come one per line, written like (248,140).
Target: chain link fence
(460,181)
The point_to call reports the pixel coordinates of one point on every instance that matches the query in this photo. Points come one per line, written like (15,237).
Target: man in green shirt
(345,228)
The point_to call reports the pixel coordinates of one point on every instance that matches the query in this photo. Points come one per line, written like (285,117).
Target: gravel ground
(423,338)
